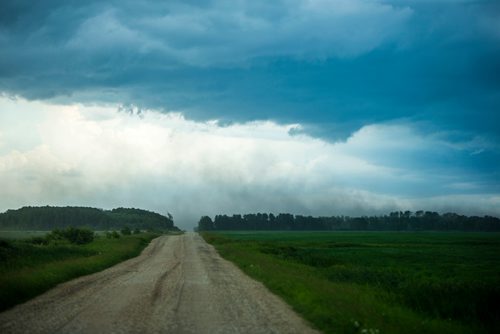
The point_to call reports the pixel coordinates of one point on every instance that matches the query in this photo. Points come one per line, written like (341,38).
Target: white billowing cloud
(97,156)
(233,32)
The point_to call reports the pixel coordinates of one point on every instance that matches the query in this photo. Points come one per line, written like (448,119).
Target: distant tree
(126,231)
(49,218)
(205,224)
(74,235)
(395,221)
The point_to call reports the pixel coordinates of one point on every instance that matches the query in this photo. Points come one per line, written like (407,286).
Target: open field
(21,234)
(370,282)
(27,270)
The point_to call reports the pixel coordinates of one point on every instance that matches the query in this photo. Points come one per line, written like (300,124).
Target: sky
(201,107)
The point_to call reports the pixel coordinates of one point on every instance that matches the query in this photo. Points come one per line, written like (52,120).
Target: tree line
(49,218)
(394,221)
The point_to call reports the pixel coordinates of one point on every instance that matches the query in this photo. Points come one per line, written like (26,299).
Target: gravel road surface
(179,284)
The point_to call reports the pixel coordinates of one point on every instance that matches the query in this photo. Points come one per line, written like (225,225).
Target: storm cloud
(333,65)
(306,106)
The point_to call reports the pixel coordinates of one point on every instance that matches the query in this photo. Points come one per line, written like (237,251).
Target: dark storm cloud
(331,65)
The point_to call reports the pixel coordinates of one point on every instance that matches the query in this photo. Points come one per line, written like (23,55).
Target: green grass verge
(370,282)
(27,270)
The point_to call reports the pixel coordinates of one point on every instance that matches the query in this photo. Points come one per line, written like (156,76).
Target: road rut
(179,284)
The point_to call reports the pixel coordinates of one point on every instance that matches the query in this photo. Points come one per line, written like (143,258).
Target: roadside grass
(376,282)
(27,270)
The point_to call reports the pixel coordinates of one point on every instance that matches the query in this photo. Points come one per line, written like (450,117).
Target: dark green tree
(205,224)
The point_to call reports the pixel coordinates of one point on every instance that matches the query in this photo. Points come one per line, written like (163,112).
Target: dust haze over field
(202,107)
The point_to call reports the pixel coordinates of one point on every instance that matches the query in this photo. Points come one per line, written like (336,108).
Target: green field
(21,234)
(377,282)
(27,270)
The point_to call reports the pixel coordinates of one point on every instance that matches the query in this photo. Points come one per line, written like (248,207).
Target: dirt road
(179,284)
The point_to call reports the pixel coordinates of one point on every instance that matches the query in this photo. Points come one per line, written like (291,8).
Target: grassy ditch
(371,282)
(28,269)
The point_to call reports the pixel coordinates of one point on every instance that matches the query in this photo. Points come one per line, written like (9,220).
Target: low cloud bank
(98,156)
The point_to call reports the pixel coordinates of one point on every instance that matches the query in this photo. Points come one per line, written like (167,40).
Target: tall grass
(390,282)
(27,270)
